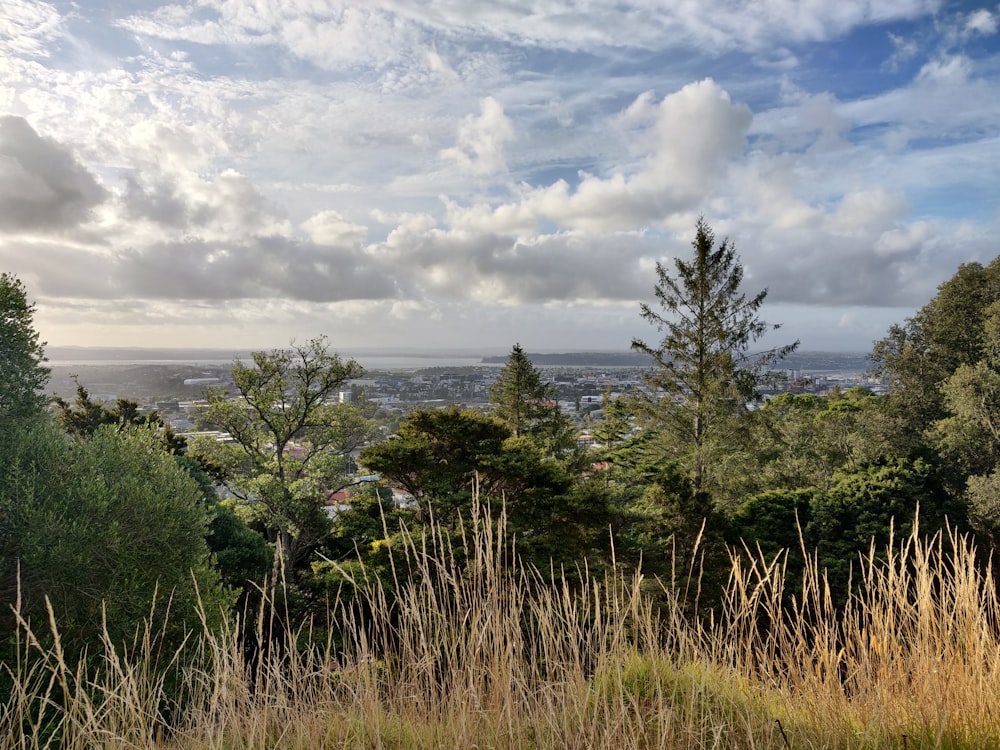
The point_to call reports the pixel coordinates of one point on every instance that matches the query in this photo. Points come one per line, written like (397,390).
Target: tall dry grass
(473,650)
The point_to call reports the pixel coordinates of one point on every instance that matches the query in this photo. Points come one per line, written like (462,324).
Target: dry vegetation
(481,654)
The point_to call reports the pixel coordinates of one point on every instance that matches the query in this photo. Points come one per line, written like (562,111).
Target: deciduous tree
(291,439)
(947,332)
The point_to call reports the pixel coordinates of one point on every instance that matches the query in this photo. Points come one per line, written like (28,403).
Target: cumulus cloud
(43,187)
(220,172)
(222,207)
(269,267)
(981,22)
(694,134)
(481,140)
(498,269)
(330,228)
(262,268)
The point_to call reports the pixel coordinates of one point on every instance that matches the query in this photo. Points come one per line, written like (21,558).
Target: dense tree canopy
(108,520)
(948,332)
(447,458)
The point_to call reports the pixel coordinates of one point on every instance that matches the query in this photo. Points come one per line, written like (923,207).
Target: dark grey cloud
(265,267)
(43,188)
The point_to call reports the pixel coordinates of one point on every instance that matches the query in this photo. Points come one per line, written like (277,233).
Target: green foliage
(802,439)
(292,440)
(439,456)
(704,375)
(970,435)
(528,406)
(85,415)
(22,374)
(445,458)
(671,522)
(928,348)
(241,555)
(108,529)
(863,507)
(773,521)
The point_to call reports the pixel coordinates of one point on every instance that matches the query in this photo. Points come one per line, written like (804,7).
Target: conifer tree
(528,406)
(704,374)
(22,374)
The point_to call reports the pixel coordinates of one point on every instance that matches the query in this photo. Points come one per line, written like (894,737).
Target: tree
(969,435)
(440,457)
(291,440)
(109,530)
(84,416)
(704,376)
(863,506)
(528,406)
(802,439)
(22,374)
(947,332)
(447,458)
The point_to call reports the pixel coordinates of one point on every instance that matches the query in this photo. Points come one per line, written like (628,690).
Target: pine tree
(704,376)
(528,406)
(22,375)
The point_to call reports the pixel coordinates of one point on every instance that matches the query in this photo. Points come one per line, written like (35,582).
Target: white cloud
(947,70)
(26,27)
(981,22)
(868,210)
(331,228)
(695,134)
(334,32)
(275,166)
(481,140)
(904,49)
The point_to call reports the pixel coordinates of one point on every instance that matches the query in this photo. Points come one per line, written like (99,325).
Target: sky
(466,174)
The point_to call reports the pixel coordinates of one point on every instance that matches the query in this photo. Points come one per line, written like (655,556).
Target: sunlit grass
(475,651)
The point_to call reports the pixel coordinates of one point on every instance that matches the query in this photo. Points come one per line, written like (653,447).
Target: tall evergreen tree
(704,375)
(528,406)
(22,374)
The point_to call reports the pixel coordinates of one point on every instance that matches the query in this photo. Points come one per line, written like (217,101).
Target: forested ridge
(118,536)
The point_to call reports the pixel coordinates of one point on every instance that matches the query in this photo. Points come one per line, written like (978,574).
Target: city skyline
(459,174)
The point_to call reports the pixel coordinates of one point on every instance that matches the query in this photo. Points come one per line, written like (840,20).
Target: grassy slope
(480,656)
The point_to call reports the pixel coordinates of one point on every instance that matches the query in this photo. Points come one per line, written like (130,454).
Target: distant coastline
(391,359)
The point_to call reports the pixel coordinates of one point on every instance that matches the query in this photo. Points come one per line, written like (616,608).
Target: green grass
(486,655)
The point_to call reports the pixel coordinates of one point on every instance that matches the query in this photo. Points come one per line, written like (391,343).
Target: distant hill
(580,359)
(810,362)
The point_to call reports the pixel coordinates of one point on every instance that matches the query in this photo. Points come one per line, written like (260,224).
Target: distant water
(134,358)
(64,362)
(816,363)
